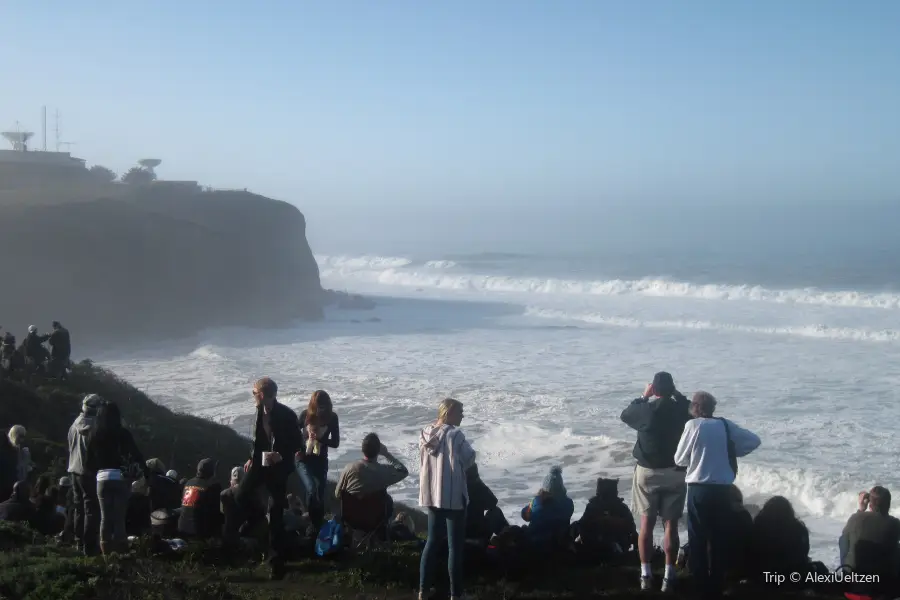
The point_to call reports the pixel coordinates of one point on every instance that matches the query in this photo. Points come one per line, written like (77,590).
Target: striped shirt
(444,458)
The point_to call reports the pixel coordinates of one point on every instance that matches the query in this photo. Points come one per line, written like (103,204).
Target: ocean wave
(361,263)
(813,331)
(399,272)
(440,264)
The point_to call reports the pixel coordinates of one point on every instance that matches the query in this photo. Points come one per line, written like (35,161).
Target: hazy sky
(337,105)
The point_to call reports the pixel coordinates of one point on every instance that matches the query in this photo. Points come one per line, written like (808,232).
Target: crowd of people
(32,356)
(687,460)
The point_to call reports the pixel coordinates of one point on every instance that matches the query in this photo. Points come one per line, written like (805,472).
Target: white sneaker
(646,583)
(668,585)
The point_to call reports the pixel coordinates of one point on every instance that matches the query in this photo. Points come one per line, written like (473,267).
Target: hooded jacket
(444,458)
(84,424)
(200,514)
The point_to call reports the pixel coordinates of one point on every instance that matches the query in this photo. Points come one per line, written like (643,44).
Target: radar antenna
(148,164)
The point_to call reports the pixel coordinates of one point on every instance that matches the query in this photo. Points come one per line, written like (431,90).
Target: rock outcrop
(152,261)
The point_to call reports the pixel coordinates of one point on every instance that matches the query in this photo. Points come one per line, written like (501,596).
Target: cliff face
(153,262)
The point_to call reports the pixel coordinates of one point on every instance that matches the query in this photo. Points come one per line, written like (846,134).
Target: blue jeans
(449,525)
(313,471)
(709,512)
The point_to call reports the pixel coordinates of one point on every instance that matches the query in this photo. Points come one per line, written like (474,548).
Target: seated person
(549,513)
(19,508)
(231,512)
(870,538)
(165,492)
(137,514)
(365,477)
(780,541)
(47,519)
(484,518)
(200,516)
(66,505)
(607,526)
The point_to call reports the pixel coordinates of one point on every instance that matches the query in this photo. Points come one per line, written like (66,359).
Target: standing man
(276,440)
(658,488)
(84,482)
(60,350)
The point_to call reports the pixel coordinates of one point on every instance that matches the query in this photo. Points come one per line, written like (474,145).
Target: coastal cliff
(152,261)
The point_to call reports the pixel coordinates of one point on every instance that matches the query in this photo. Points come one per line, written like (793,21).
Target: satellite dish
(18,139)
(149,163)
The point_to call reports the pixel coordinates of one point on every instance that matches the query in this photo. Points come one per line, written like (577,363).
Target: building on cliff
(23,167)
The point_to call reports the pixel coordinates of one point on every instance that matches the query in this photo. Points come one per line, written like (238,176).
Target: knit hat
(553,482)
(172,474)
(206,468)
(237,474)
(65,481)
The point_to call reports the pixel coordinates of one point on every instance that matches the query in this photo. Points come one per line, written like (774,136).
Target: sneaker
(646,583)
(668,585)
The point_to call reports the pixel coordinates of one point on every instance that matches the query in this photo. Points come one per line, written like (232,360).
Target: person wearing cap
(60,349)
(84,482)
(549,513)
(200,516)
(658,489)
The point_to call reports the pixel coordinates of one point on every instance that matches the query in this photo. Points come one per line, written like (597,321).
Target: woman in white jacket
(444,457)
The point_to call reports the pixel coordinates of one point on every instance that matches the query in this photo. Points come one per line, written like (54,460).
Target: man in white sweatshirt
(709,448)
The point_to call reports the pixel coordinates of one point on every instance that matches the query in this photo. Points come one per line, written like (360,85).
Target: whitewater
(546,363)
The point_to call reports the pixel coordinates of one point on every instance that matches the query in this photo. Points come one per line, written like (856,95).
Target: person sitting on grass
(484,519)
(869,542)
(366,477)
(200,516)
(47,520)
(780,539)
(549,513)
(607,527)
(19,508)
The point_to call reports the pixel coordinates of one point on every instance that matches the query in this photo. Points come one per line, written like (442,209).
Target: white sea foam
(812,331)
(801,368)
(400,272)
(440,264)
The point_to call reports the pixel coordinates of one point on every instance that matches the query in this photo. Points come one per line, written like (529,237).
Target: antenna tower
(44,121)
(57,131)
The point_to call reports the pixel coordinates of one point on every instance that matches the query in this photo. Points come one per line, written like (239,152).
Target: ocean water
(545,352)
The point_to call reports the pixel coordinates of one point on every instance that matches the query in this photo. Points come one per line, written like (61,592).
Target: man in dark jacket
(658,488)
(200,515)
(84,482)
(19,507)
(60,350)
(276,440)
(33,348)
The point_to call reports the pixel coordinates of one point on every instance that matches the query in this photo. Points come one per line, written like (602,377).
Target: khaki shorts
(658,493)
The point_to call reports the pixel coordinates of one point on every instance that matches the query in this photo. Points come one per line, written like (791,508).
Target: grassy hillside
(35,568)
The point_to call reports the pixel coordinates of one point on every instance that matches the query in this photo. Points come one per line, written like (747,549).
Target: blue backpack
(331,538)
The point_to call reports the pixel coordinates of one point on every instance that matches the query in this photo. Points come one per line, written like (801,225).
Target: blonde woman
(17,437)
(444,457)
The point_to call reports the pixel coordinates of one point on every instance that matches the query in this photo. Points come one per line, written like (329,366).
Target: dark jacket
(286,437)
(608,519)
(165,492)
(18,510)
(332,438)
(33,345)
(113,451)
(200,514)
(872,541)
(60,343)
(659,423)
(9,467)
